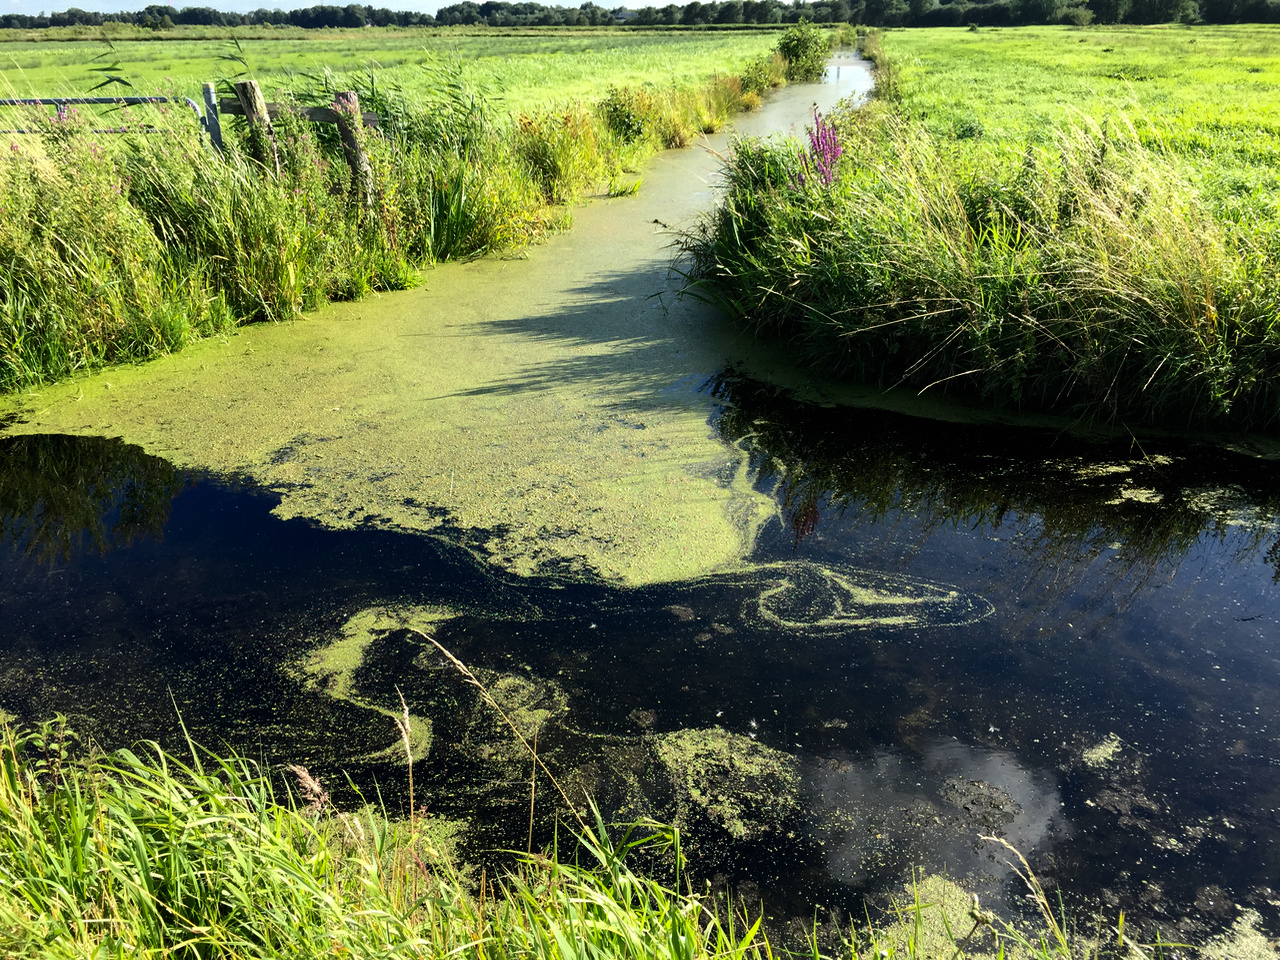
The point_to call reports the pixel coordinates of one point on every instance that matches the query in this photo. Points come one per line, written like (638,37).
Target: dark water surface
(949,631)
(964,630)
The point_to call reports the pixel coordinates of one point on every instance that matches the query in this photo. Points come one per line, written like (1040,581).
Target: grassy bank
(120,247)
(1115,259)
(142,853)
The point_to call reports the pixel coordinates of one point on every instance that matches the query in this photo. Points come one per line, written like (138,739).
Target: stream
(834,633)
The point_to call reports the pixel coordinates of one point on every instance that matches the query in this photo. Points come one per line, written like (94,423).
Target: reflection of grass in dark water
(1152,500)
(56,490)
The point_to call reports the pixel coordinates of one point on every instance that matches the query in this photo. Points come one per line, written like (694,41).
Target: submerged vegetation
(1101,267)
(116,248)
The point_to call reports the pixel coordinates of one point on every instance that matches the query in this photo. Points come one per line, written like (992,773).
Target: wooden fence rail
(250,104)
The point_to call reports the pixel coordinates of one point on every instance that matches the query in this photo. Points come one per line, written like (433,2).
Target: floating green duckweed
(1104,752)
(530,401)
(332,668)
(1244,941)
(740,785)
(799,596)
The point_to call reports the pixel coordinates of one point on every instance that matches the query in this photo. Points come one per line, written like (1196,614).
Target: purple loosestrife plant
(824,151)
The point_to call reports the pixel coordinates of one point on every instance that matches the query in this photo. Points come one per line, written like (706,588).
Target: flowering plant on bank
(818,162)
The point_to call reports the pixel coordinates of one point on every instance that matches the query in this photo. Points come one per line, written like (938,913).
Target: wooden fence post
(211,122)
(351,129)
(262,136)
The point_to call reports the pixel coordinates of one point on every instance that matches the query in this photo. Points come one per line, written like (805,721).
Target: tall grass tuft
(1087,277)
(143,853)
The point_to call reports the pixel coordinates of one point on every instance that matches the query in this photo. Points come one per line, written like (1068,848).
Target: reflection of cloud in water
(878,815)
(799,596)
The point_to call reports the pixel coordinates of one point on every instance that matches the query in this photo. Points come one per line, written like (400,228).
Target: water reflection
(879,816)
(1146,505)
(933,642)
(57,491)
(1133,649)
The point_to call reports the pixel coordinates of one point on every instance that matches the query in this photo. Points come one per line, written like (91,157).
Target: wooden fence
(250,104)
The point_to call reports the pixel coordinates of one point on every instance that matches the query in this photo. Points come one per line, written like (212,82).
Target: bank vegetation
(1097,268)
(119,246)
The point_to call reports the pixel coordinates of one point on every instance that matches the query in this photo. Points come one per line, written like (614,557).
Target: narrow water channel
(833,642)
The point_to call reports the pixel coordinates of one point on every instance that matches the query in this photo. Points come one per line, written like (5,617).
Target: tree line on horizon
(713,13)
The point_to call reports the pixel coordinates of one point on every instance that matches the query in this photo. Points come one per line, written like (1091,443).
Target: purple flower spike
(824,149)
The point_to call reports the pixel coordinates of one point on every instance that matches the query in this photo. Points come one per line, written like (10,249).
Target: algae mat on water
(549,402)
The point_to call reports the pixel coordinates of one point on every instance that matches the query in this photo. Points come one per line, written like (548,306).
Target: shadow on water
(605,344)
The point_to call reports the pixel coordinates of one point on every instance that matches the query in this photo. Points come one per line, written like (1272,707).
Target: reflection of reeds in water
(1082,498)
(57,490)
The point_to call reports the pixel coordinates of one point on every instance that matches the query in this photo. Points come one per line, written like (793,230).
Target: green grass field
(1210,94)
(518,70)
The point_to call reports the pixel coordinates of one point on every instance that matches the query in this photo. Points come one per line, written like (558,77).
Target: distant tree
(918,10)
(886,13)
(75,17)
(465,13)
(1040,11)
(200,17)
(1109,11)
(947,15)
(1163,11)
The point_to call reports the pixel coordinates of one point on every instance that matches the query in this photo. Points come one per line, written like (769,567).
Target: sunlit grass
(519,71)
(1211,94)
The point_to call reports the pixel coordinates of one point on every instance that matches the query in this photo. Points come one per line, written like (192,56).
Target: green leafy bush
(806,49)
(623,110)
